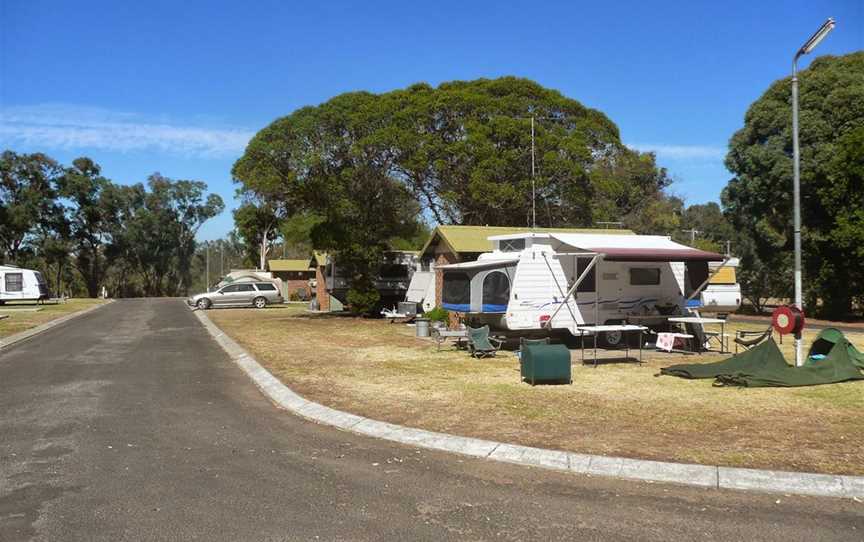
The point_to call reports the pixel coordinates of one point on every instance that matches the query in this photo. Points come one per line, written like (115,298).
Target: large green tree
(758,200)
(327,161)
(82,186)
(153,235)
(27,201)
(368,167)
(258,224)
(464,151)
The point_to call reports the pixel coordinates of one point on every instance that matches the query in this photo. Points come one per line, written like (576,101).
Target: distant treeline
(85,232)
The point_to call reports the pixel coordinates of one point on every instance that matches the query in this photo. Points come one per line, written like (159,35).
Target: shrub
(363,301)
(438,314)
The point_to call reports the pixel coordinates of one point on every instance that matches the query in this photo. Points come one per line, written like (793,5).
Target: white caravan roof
(643,248)
(490,262)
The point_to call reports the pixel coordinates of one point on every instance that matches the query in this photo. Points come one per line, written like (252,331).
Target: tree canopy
(372,168)
(758,200)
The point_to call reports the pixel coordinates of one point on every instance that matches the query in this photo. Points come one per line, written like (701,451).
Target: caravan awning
(685,254)
(479,264)
(637,248)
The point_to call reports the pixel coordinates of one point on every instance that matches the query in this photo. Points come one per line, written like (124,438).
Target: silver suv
(240,294)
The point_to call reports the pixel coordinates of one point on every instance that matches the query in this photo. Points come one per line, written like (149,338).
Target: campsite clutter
(831,359)
(606,290)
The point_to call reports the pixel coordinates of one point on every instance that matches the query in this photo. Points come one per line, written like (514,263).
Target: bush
(363,301)
(438,314)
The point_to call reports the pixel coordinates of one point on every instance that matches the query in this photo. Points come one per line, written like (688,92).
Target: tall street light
(811,44)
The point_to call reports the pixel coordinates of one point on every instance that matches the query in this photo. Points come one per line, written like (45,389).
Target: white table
(595,330)
(724,343)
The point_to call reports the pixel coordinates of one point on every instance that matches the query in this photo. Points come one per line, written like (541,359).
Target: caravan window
(456,293)
(590,282)
(14,282)
(644,276)
(496,292)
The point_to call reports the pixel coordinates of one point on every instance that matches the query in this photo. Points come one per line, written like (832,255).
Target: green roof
(288,265)
(476,238)
(319,259)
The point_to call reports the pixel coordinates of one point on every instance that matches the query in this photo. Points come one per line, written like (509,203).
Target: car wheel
(203,304)
(259,302)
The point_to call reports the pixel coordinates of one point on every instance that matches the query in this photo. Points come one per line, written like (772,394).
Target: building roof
(318,259)
(288,265)
(476,238)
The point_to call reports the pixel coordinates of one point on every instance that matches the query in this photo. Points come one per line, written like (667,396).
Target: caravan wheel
(610,339)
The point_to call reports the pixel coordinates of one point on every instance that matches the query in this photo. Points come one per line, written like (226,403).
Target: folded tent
(765,366)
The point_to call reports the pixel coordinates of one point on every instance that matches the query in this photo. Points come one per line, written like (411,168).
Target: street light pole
(207,259)
(811,44)
(533,182)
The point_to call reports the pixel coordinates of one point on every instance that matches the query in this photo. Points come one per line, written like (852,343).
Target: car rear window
(266,287)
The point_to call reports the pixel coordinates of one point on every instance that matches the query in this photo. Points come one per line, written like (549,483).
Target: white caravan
(17,284)
(548,281)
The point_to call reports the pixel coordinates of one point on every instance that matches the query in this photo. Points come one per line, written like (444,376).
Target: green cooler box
(545,363)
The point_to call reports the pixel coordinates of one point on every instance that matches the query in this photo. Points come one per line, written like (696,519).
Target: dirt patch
(380,370)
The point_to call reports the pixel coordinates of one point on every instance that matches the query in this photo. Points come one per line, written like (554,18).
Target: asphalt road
(130,423)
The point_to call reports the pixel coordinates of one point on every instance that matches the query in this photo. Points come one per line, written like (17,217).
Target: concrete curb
(27,333)
(715,477)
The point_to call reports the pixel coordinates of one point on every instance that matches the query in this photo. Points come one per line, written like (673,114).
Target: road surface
(130,423)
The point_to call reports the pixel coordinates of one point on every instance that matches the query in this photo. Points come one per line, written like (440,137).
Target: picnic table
(721,337)
(459,335)
(623,328)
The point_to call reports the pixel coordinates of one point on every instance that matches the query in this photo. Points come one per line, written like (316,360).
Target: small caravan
(17,284)
(548,281)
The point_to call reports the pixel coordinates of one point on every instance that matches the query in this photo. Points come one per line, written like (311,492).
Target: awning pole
(705,283)
(557,285)
(594,260)
(596,307)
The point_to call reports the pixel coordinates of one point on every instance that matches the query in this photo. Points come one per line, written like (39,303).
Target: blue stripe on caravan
(458,307)
(494,308)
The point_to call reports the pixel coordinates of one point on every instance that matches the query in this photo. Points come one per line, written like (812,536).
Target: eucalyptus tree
(27,199)
(758,200)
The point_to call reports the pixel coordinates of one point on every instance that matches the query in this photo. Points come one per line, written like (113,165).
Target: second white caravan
(17,284)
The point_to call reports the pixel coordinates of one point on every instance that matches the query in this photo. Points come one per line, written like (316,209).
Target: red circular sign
(787,319)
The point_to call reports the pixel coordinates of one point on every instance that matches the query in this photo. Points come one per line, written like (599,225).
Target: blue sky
(179,87)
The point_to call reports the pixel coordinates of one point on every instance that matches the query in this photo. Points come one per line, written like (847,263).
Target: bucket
(422,327)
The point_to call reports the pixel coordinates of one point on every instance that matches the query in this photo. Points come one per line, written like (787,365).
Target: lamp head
(816,38)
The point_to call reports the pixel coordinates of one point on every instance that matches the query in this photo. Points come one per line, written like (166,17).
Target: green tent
(832,358)
(825,342)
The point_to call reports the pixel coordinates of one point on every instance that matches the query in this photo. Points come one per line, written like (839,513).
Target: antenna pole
(533,186)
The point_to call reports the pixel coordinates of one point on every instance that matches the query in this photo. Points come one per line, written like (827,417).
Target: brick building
(295,275)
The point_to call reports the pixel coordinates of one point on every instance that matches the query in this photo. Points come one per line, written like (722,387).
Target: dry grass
(380,370)
(22,316)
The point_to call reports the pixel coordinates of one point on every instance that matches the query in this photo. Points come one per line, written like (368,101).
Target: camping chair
(741,337)
(480,344)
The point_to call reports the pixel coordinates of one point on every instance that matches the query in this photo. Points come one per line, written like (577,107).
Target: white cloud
(53,126)
(682,152)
